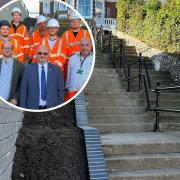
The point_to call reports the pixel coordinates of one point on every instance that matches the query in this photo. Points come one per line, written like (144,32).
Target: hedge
(156,23)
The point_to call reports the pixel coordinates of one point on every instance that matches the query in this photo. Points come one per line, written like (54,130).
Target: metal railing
(157,108)
(99,37)
(144,81)
(110,23)
(107,42)
(127,67)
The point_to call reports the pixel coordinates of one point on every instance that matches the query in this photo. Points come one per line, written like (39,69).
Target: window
(46,7)
(84,8)
(70,2)
(99,9)
(55,6)
(62,6)
(99,5)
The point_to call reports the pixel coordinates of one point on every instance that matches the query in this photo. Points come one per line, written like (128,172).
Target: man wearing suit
(11,72)
(42,84)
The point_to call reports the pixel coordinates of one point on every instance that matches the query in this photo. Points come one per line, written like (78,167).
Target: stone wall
(10,123)
(140,46)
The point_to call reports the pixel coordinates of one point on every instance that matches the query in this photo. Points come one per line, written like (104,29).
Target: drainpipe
(93,20)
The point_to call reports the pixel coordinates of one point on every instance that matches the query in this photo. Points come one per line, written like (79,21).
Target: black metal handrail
(127,68)
(157,108)
(108,43)
(144,79)
(100,37)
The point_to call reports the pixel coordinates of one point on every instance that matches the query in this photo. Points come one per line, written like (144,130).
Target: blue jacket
(29,95)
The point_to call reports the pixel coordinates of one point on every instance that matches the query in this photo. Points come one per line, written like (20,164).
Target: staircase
(132,150)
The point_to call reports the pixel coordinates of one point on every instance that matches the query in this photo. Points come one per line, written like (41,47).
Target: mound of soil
(50,147)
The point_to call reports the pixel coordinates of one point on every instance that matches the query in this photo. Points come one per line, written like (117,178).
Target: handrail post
(140,71)
(113,56)
(101,38)
(112,43)
(112,51)
(121,53)
(157,111)
(146,92)
(110,37)
(128,80)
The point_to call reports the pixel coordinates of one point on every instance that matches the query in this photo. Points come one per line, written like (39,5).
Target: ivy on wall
(156,23)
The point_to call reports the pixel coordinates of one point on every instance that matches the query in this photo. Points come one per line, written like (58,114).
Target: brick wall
(10,123)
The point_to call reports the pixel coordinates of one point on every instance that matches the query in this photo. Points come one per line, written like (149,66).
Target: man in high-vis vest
(19,31)
(57,47)
(4,37)
(74,35)
(73,38)
(37,36)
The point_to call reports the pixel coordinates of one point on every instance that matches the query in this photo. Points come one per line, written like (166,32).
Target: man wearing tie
(42,84)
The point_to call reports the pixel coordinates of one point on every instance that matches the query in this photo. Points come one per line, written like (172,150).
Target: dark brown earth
(50,147)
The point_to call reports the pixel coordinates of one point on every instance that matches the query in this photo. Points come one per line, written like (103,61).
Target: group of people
(42,70)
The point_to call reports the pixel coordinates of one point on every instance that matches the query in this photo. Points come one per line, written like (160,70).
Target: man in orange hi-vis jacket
(57,47)
(19,31)
(74,35)
(4,37)
(37,36)
(73,38)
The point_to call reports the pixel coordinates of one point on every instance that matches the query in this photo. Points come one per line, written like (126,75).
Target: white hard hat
(53,23)
(16,9)
(41,18)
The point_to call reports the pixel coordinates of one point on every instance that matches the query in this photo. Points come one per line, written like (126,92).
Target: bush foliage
(156,23)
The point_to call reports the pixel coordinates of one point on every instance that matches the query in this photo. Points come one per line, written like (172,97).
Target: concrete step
(151,72)
(103,86)
(101,65)
(98,74)
(104,79)
(107,71)
(103,59)
(141,143)
(100,55)
(116,110)
(117,94)
(144,118)
(158,174)
(163,82)
(130,102)
(171,126)
(123,127)
(143,162)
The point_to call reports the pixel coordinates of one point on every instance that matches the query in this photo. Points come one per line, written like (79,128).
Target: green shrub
(157,24)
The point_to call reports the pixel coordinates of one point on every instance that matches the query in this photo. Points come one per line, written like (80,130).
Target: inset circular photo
(47,54)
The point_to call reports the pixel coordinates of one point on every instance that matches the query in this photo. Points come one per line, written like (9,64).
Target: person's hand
(14,101)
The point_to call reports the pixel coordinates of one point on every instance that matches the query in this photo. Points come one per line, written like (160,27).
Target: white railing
(109,23)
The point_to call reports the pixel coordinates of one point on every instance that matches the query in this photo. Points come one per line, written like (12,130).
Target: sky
(32,6)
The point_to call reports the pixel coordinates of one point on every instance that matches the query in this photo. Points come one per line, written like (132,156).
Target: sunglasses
(43,53)
(6,48)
